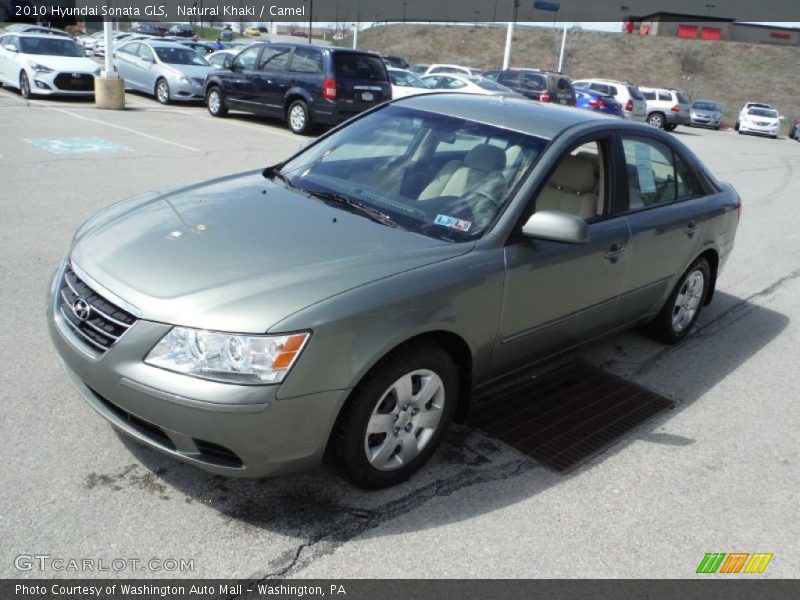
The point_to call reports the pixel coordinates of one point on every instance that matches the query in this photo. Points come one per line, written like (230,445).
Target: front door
(557,295)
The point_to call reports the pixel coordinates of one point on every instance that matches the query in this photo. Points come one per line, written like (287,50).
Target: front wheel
(298,118)
(684,304)
(216,103)
(669,127)
(396,417)
(25,85)
(162,91)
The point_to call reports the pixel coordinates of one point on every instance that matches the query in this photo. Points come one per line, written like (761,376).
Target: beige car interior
(482,166)
(576,186)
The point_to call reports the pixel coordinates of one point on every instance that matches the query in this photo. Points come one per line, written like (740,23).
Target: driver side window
(246,60)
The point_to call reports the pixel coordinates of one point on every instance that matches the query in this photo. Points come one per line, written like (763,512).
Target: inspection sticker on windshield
(453,223)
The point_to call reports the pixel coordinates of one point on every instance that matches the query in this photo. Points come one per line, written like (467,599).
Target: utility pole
(563,43)
(510,36)
(356,24)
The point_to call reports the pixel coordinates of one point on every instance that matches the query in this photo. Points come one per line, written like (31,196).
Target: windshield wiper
(274,172)
(355,206)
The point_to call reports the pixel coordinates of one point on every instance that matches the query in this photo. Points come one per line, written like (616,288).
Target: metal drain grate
(565,416)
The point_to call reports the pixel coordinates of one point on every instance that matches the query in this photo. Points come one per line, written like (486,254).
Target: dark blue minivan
(304,84)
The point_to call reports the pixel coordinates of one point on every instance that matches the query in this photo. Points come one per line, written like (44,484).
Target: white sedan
(405,83)
(45,64)
(465,85)
(764,121)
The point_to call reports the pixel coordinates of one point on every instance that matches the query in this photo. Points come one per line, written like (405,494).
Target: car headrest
(574,173)
(486,158)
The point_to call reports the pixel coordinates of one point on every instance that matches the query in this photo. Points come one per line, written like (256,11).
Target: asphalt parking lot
(717,473)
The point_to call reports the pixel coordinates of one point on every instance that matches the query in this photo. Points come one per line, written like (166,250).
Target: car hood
(77,64)
(189,70)
(241,253)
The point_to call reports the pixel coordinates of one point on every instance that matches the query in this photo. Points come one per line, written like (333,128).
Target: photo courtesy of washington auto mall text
(399,299)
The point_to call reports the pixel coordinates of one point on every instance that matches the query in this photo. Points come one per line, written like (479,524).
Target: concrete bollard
(109,92)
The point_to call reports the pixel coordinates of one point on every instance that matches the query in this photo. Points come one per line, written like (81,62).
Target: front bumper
(705,121)
(54,82)
(232,430)
(188,92)
(771,130)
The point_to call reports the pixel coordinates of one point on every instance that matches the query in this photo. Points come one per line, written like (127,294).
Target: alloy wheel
(214,101)
(688,301)
(297,117)
(404,420)
(162,92)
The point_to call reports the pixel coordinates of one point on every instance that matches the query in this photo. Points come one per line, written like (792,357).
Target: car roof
(608,81)
(38,35)
(517,114)
(156,43)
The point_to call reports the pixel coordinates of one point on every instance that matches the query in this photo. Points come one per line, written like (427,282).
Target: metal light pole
(510,36)
(310,18)
(563,43)
(356,25)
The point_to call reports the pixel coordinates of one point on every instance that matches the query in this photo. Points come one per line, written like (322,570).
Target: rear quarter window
(359,66)
(682,98)
(635,93)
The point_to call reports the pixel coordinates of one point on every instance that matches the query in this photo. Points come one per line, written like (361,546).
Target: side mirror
(556,227)
(227,62)
(10,47)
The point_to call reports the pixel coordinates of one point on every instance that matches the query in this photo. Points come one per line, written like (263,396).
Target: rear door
(126,59)
(362,81)
(684,104)
(666,209)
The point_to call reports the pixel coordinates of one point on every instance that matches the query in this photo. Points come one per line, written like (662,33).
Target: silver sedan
(166,70)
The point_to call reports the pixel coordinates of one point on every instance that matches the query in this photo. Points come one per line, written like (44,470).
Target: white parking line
(120,127)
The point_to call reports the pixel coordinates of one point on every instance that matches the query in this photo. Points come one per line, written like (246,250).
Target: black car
(544,86)
(305,85)
(181,31)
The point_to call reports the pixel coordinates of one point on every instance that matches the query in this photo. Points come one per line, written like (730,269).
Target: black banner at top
(373,11)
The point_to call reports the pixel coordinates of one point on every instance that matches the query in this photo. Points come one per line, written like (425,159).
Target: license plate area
(367,97)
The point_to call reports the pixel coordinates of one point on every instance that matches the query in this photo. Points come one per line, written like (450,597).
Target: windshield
(763,112)
(441,176)
(406,79)
(50,46)
(710,106)
(180,56)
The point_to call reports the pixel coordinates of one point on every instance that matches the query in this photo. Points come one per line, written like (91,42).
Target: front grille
(75,82)
(96,321)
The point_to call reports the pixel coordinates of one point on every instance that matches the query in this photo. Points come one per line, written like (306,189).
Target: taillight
(597,103)
(329,89)
(544,97)
(676,108)
(629,106)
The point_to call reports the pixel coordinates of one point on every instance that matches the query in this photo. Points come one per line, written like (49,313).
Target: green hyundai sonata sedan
(353,298)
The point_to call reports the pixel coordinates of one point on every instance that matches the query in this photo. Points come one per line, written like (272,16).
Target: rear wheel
(298,118)
(669,127)
(396,417)
(656,120)
(162,91)
(216,103)
(684,305)
(24,85)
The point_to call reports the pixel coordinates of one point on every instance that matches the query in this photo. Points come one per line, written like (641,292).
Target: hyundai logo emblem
(81,309)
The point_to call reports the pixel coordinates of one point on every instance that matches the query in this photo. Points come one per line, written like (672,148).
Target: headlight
(184,79)
(227,357)
(40,68)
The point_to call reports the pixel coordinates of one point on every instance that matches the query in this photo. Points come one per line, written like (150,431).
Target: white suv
(629,96)
(666,109)
(453,70)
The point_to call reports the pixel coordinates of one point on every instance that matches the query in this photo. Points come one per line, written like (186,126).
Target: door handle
(615,253)
(691,228)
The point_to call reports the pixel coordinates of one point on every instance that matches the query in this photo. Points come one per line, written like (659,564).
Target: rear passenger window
(649,95)
(534,82)
(306,60)
(510,79)
(613,90)
(665,96)
(656,175)
(275,59)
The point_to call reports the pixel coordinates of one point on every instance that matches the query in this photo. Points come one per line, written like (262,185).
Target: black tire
(663,328)
(298,118)
(25,85)
(215,101)
(656,119)
(669,127)
(162,91)
(736,126)
(375,397)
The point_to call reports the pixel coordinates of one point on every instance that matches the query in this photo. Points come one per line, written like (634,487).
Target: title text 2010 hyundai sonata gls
(351,299)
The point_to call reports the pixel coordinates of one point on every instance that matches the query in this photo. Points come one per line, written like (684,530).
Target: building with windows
(700,27)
